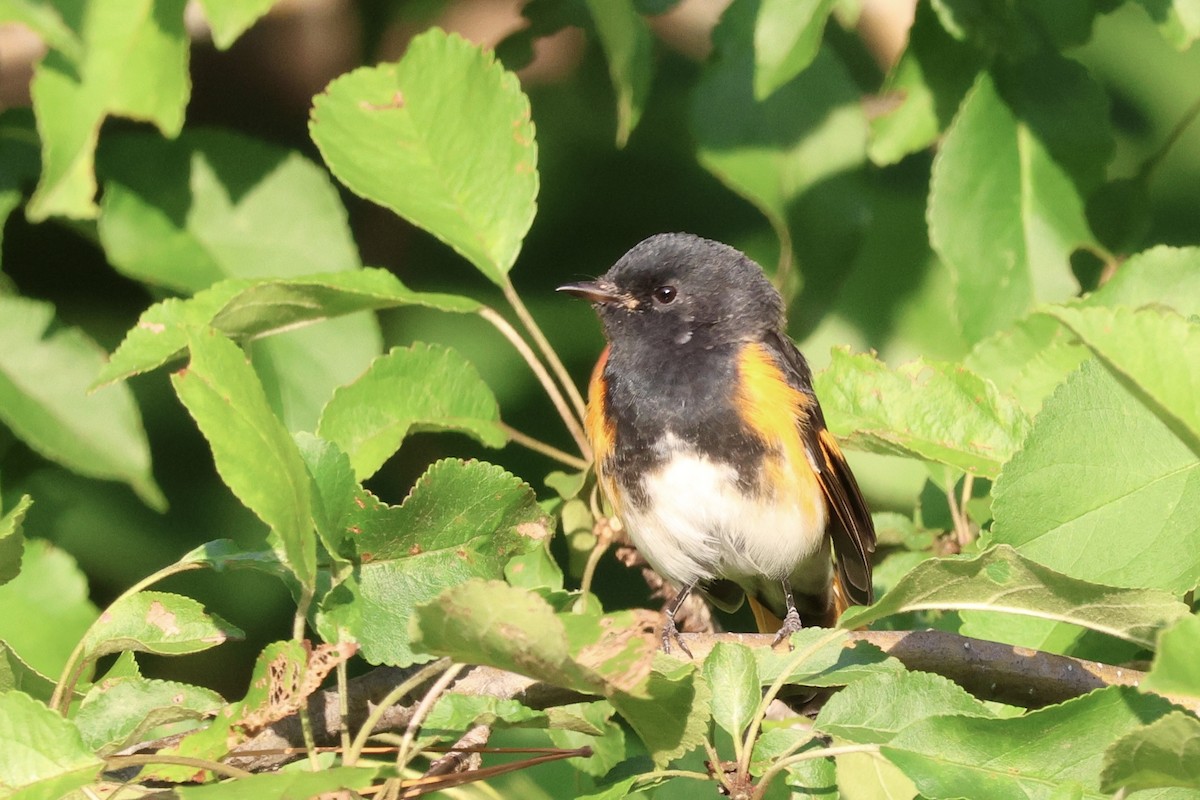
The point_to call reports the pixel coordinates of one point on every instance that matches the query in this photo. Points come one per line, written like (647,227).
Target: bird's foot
(791,624)
(671,632)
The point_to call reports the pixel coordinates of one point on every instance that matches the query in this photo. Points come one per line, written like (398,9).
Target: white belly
(698,524)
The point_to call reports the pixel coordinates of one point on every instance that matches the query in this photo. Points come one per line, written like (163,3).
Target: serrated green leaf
(1011,173)
(133,63)
(1055,749)
(1098,464)
(1163,276)
(732,676)
(489,622)
(454,713)
(12,540)
(875,709)
(44,376)
(628,48)
(1160,755)
(252,451)
(793,156)
(251,309)
(229,19)
(1178,20)
(938,412)
(443,138)
(606,737)
(462,520)
(16,674)
(419,388)
(156,622)
(44,756)
(787,36)
(336,494)
(927,84)
(1001,579)
(223,554)
(1156,351)
(821,657)
(1029,360)
(295,785)
(45,609)
(116,711)
(1175,670)
(517,630)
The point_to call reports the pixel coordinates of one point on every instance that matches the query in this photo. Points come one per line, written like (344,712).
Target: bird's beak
(597,292)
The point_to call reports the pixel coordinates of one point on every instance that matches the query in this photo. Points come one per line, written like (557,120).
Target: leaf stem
(420,676)
(773,692)
(556,397)
(403,756)
(1173,137)
(121,762)
(548,450)
(514,300)
(824,752)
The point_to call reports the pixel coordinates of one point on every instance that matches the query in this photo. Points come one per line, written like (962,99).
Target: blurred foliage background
(883,289)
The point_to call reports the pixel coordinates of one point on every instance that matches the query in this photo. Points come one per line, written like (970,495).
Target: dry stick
(514,300)
(539,370)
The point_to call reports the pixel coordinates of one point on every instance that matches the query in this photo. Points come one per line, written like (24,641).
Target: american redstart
(710,444)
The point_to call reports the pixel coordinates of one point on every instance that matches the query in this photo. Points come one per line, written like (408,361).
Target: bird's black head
(678,291)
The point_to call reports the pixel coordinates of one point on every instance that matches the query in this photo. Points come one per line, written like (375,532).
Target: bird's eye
(664,295)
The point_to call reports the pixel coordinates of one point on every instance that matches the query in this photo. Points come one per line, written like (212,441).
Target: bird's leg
(669,630)
(791,620)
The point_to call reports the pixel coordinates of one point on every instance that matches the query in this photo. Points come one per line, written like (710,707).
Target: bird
(710,444)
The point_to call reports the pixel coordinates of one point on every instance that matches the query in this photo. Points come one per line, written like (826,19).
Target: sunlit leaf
(1160,755)
(787,35)
(44,756)
(443,138)
(229,19)
(156,622)
(117,711)
(628,47)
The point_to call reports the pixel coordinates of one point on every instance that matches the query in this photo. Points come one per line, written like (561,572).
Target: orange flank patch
(776,413)
(600,431)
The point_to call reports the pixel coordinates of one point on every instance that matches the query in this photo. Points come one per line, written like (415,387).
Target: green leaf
(45,20)
(1000,579)
(1178,20)
(133,63)
(826,658)
(1096,465)
(606,740)
(188,212)
(1164,276)
(410,389)
(252,309)
(12,540)
(1056,749)
(443,138)
(1029,360)
(45,610)
(156,622)
(44,756)
(490,622)
(337,494)
(16,674)
(1162,754)
(44,376)
(1013,172)
(875,709)
(938,412)
(926,85)
(20,162)
(1175,670)
(462,520)
(732,676)
(229,19)
(1157,353)
(628,48)
(118,711)
(794,155)
(295,785)
(787,36)
(252,450)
